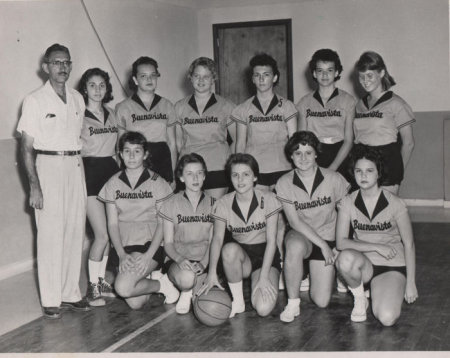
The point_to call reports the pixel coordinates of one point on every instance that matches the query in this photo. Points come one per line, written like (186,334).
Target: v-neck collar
(316,95)
(89,114)
(211,102)
(272,104)
(318,179)
(202,196)
(144,176)
(382,204)
(138,100)
(237,210)
(385,97)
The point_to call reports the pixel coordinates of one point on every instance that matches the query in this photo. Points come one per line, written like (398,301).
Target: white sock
(357,291)
(293,302)
(102,270)
(237,291)
(94,267)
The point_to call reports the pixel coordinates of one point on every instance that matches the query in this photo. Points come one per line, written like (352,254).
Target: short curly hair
(82,86)
(361,151)
(303,138)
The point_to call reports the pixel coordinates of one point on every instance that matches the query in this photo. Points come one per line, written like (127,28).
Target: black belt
(58,152)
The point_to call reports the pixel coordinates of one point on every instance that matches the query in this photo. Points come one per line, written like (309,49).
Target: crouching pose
(188,228)
(251,216)
(133,196)
(382,252)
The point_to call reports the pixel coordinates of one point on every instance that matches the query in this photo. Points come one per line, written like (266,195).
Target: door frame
(288,26)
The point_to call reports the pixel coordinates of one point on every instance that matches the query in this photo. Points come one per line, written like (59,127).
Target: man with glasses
(50,126)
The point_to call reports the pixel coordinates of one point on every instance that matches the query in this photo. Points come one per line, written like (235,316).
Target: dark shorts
(378,270)
(269,179)
(216,179)
(113,258)
(316,253)
(393,163)
(160,160)
(328,154)
(256,254)
(97,171)
(169,263)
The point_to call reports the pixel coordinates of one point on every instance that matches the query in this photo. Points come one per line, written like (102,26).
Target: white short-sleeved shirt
(192,226)
(267,133)
(327,120)
(205,134)
(99,136)
(379,125)
(136,207)
(250,230)
(53,124)
(132,115)
(318,208)
(381,228)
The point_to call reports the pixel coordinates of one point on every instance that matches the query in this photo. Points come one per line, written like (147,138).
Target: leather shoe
(81,305)
(52,312)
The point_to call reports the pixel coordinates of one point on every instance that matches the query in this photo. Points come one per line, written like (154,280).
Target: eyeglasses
(58,63)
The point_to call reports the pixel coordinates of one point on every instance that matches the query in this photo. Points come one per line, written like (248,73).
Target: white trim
(16,268)
(446,204)
(424,202)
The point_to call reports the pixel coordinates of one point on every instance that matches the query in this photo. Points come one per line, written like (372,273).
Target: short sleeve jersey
(381,228)
(205,134)
(99,136)
(136,205)
(192,226)
(132,115)
(267,133)
(317,209)
(379,125)
(53,124)
(250,230)
(327,120)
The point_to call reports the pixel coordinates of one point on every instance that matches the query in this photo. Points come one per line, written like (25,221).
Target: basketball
(213,308)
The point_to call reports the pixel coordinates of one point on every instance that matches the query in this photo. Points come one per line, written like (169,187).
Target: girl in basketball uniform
(152,115)
(133,197)
(382,252)
(99,138)
(203,122)
(329,111)
(309,195)
(188,228)
(381,117)
(251,216)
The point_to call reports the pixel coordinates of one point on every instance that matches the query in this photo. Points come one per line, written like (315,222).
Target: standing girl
(381,253)
(99,138)
(204,121)
(381,116)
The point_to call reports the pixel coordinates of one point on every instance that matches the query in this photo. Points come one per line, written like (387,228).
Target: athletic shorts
(393,163)
(316,253)
(97,171)
(114,261)
(160,160)
(378,270)
(269,179)
(256,254)
(169,263)
(327,155)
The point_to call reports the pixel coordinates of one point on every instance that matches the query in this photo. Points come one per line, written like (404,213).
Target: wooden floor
(423,326)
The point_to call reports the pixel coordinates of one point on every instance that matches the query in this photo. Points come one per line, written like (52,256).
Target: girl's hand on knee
(266,289)
(185,264)
(328,255)
(210,282)
(198,268)
(411,293)
(126,263)
(387,251)
(141,263)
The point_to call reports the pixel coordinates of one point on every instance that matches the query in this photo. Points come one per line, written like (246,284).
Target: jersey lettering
(371,227)
(371,114)
(194,219)
(271,118)
(249,228)
(144,117)
(327,113)
(142,194)
(93,130)
(313,204)
(207,119)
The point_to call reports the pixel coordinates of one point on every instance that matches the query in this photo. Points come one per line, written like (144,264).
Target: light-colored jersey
(327,120)
(192,226)
(205,134)
(267,133)
(318,208)
(248,230)
(53,124)
(381,228)
(99,135)
(380,124)
(136,207)
(132,115)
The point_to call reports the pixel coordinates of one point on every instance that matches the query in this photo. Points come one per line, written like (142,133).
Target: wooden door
(236,43)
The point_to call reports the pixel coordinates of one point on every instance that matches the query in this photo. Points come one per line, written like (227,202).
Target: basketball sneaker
(168,289)
(304,285)
(290,312)
(237,307)
(184,302)
(94,296)
(341,286)
(359,313)
(106,289)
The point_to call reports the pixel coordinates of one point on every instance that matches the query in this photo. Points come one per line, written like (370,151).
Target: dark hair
(263,59)
(54,48)
(82,86)
(371,60)
(205,62)
(361,151)
(303,138)
(133,138)
(143,60)
(326,55)
(242,158)
(188,159)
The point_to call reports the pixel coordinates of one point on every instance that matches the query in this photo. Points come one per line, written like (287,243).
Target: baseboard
(426,202)
(16,268)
